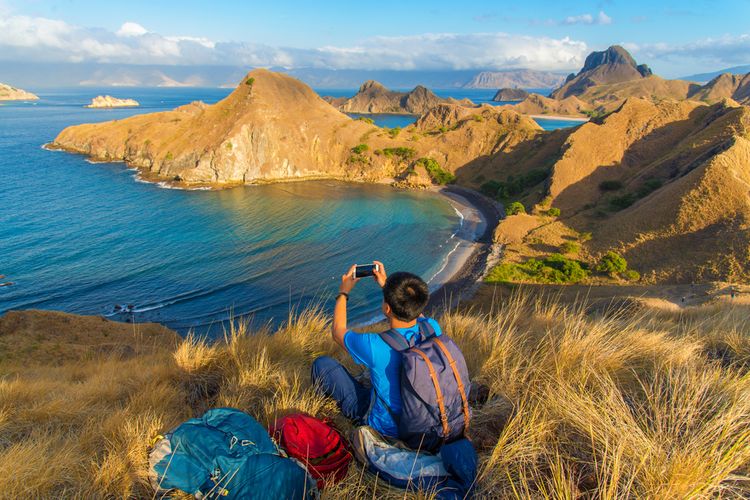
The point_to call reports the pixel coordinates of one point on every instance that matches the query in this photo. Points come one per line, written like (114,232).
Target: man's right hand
(380,275)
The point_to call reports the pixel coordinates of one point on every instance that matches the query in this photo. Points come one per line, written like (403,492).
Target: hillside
(515,78)
(510,94)
(725,86)
(665,185)
(535,104)
(275,128)
(372,97)
(643,403)
(8,93)
(705,77)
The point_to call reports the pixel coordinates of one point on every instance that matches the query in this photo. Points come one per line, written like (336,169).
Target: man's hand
(380,275)
(348,281)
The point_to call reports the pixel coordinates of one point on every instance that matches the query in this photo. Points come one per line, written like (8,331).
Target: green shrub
(249,82)
(402,153)
(490,188)
(649,187)
(584,237)
(366,120)
(631,275)
(169,156)
(622,202)
(436,173)
(612,263)
(610,185)
(394,132)
(443,129)
(515,208)
(553,212)
(570,247)
(359,149)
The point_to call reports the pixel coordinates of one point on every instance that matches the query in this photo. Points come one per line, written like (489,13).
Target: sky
(675,38)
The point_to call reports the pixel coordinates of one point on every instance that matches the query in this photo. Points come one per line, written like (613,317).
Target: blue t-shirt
(384,363)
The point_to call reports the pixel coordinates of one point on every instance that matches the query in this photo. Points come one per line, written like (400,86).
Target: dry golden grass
(627,404)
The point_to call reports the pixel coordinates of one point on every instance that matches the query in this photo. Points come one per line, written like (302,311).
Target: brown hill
(725,86)
(613,65)
(373,97)
(536,104)
(273,128)
(667,185)
(510,94)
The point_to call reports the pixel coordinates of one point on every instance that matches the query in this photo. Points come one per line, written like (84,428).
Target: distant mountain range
(56,75)
(705,77)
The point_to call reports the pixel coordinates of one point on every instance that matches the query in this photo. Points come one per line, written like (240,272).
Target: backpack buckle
(233,442)
(246,442)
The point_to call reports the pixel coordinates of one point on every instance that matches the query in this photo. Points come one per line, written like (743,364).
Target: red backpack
(315,443)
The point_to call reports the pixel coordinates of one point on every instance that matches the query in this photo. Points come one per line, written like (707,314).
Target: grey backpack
(434,388)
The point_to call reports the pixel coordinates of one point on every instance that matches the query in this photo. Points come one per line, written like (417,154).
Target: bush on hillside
(610,185)
(612,263)
(570,247)
(649,187)
(249,82)
(514,185)
(393,133)
(515,208)
(359,149)
(402,153)
(553,269)
(366,120)
(553,212)
(622,202)
(436,173)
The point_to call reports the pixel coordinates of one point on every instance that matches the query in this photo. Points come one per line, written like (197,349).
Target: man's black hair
(406,294)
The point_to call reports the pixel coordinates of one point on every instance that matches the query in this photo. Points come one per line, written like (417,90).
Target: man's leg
(333,380)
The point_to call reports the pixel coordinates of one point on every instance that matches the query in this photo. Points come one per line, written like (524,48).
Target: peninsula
(107,101)
(8,93)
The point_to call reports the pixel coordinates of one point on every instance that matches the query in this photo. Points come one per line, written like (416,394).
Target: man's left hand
(348,281)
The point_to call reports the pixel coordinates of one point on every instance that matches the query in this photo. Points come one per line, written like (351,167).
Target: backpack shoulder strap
(395,340)
(426,329)
(461,387)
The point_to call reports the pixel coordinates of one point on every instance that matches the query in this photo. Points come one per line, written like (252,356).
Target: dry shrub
(607,404)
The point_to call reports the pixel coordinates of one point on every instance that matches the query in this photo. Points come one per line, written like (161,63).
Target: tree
(515,208)
(612,263)
(553,212)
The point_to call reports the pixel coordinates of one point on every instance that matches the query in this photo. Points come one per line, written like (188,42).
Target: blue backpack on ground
(226,454)
(434,389)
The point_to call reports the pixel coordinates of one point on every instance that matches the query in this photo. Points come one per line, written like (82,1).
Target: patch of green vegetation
(513,185)
(359,149)
(610,185)
(631,275)
(622,202)
(442,129)
(649,187)
(570,247)
(436,172)
(249,82)
(169,156)
(594,113)
(229,146)
(584,237)
(612,263)
(553,269)
(394,132)
(515,208)
(477,118)
(367,120)
(553,212)
(402,153)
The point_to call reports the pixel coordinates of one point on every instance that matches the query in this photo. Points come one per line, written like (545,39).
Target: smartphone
(365,270)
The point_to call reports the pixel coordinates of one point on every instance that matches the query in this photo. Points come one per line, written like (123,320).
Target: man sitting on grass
(405,296)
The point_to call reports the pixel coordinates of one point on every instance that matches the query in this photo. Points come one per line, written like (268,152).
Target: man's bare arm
(339,327)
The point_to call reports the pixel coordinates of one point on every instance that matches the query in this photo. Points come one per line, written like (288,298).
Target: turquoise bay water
(82,237)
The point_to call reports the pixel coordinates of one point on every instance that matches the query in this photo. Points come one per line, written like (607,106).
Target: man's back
(370,350)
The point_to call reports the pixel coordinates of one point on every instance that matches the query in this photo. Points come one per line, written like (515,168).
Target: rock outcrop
(536,104)
(510,94)
(373,97)
(725,86)
(275,128)
(8,93)
(515,78)
(107,101)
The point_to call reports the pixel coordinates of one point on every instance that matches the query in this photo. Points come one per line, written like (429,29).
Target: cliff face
(725,86)
(536,104)
(107,101)
(510,94)
(373,97)
(274,128)
(8,93)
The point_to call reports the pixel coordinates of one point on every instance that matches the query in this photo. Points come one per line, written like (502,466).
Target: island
(107,101)
(510,94)
(8,93)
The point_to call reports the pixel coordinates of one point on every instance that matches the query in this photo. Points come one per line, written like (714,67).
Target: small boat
(9,283)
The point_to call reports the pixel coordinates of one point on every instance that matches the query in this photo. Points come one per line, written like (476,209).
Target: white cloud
(707,53)
(131,29)
(40,39)
(589,19)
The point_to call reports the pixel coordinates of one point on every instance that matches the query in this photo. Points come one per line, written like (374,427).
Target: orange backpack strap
(438,392)
(460,382)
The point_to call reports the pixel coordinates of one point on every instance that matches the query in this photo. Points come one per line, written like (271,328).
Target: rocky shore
(107,101)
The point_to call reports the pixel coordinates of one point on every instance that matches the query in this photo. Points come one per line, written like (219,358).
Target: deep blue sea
(82,237)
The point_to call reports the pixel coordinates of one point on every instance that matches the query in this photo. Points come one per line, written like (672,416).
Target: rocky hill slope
(372,97)
(274,128)
(666,185)
(8,93)
(510,94)
(725,86)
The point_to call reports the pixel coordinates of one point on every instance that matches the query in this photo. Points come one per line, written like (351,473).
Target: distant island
(510,94)
(8,93)
(515,78)
(107,101)
(374,98)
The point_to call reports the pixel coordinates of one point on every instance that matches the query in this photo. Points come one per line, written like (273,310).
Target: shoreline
(561,118)
(467,264)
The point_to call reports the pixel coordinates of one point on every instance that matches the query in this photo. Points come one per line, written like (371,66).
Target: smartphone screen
(365,270)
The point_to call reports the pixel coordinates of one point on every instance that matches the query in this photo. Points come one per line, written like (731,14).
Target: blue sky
(675,38)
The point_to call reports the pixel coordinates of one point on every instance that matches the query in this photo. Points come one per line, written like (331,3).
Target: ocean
(85,238)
